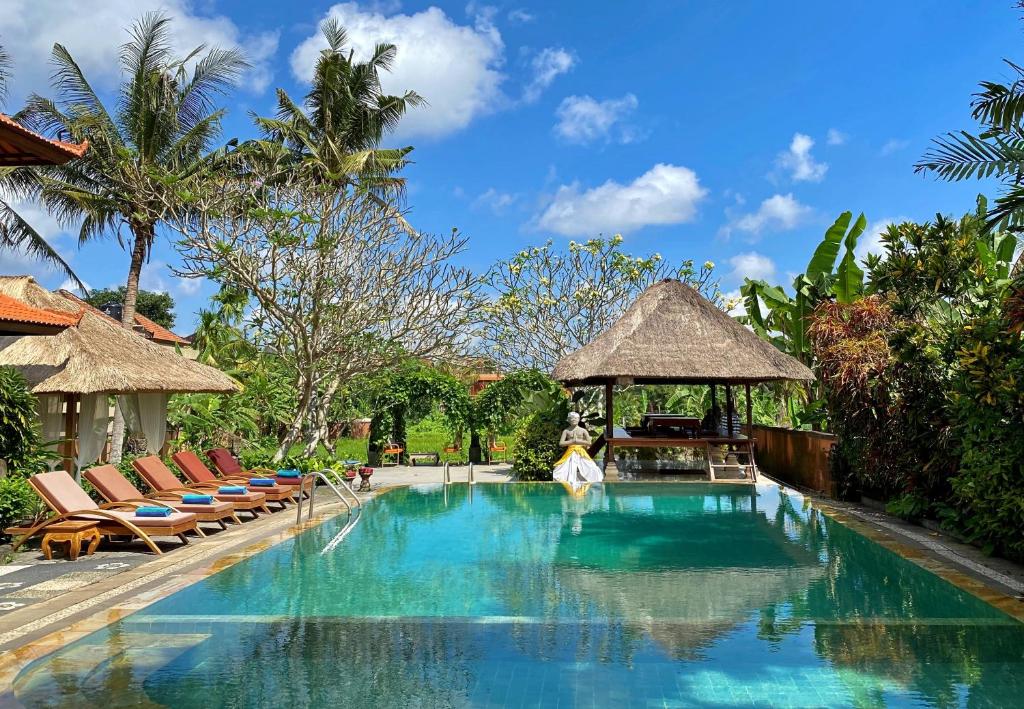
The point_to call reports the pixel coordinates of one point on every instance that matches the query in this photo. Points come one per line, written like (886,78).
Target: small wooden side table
(74,532)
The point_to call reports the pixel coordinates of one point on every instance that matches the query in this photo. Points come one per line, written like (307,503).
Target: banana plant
(783,319)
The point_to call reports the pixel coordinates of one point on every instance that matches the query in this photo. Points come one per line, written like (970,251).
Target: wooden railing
(799,458)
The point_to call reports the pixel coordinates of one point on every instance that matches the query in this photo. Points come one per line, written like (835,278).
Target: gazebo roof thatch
(98,355)
(673,334)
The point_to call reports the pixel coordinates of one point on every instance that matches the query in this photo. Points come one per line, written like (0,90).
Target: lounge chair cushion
(224,461)
(244,497)
(173,518)
(193,468)
(158,475)
(112,484)
(215,507)
(61,492)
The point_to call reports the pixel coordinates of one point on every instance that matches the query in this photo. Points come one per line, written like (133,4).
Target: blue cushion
(351,462)
(197,499)
(231,490)
(289,473)
(153,512)
(262,482)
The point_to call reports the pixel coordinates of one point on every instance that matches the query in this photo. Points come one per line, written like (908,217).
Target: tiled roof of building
(20,146)
(155,332)
(16,316)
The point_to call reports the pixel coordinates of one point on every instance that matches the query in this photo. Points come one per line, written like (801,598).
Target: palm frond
(18,235)
(961,156)
(1000,106)
(334,33)
(213,75)
(5,74)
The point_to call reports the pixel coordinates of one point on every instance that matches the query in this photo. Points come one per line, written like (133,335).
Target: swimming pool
(519,595)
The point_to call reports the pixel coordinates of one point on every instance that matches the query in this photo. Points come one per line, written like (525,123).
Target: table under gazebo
(674,335)
(74,372)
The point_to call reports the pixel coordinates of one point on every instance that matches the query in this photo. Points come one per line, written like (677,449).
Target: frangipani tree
(546,301)
(339,288)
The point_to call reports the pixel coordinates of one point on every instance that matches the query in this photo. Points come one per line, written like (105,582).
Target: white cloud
(870,242)
(70,285)
(665,194)
(777,213)
(94,30)
(190,286)
(751,265)
(547,65)
(496,200)
(152,277)
(836,137)
(893,145)
(799,161)
(584,119)
(520,16)
(454,67)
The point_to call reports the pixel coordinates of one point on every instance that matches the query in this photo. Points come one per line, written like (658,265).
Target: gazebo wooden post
(750,414)
(70,432)
(729,409)
(609,431)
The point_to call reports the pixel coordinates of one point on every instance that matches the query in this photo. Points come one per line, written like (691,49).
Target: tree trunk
(140,247)
(298,421)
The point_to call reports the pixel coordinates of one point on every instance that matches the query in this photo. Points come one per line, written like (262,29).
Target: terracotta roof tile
(157,333)
(16,312)
(20,146)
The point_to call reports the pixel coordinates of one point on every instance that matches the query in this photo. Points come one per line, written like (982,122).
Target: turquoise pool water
(647,595)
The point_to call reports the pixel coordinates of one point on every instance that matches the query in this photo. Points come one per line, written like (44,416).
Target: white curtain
(93,416)
(51,419)
(146,415)
(153,420)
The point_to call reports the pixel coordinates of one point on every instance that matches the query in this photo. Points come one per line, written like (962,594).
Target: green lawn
(419,442)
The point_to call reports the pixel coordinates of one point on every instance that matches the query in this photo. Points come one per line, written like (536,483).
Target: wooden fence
(798,458)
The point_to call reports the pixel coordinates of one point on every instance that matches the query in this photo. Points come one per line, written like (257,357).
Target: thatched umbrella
(674,335)
(97,356)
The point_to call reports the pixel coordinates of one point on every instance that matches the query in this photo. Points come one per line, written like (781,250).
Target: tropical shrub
(536,445)
(19,437)
(17,501)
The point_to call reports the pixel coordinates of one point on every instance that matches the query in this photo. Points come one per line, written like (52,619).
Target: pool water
(647,595)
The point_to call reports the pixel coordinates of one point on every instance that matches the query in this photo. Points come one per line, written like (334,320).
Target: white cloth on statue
(576,468)
(93,416)
(146,415)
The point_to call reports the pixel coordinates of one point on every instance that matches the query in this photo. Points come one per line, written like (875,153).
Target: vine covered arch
(420,387)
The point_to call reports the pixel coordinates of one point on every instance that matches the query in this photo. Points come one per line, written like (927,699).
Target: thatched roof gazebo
(674,335)
(97,357)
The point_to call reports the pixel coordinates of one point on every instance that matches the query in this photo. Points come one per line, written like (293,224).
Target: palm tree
(996,151)
(159,135)
(337,131)
(156,139)
(16,234)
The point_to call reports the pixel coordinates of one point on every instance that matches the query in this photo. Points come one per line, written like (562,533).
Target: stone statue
(574,435)
(575,469)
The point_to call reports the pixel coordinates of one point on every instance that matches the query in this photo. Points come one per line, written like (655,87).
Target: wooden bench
(432,458)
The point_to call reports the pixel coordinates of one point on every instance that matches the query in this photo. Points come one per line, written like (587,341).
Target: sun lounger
(159,477)
(229,467)
(114,519)
(196,471)
(115,487)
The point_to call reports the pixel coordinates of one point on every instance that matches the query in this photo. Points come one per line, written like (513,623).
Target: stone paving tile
(60,584)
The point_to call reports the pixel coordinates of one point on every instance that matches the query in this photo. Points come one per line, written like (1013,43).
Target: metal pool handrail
(319,475)
(447,473)
(472,478)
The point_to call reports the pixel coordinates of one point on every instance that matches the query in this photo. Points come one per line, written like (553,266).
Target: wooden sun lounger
(159,477)
(115,487)
(228,466)
(197,472)
(62,494)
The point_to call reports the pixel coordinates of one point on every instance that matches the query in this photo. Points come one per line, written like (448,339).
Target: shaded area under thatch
(673,334)
(98,355)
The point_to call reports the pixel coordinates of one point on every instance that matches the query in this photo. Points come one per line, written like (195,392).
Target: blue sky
(731,132)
